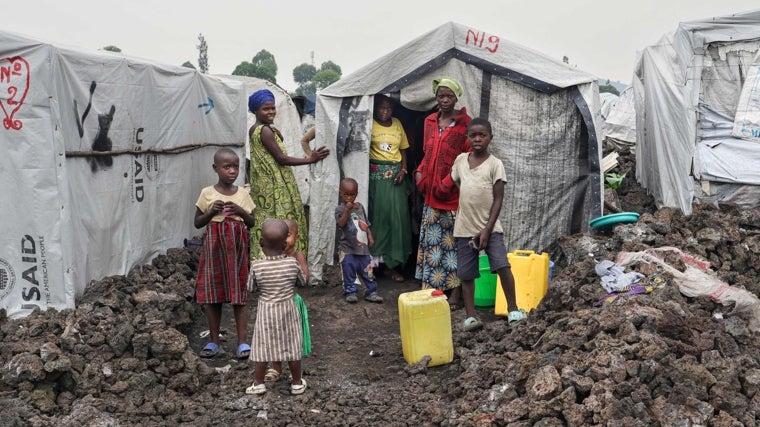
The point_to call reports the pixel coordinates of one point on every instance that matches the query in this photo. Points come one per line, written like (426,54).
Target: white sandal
(256,389)
(298,388)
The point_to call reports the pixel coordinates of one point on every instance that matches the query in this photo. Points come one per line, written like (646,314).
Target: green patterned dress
(274,189)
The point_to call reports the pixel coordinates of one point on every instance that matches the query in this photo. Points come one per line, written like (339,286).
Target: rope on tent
(173,150)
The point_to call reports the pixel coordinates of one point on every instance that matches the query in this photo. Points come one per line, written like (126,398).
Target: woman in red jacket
(445,137)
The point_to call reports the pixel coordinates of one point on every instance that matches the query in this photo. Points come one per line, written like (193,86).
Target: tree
(310,79)
(303,73)
(325,78)
(266,64)
(188,64)
(262,66)
(112,48)
(245,68)
(202,54)
(329,65)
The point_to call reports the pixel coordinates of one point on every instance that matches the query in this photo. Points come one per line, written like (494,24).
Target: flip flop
(243,351)
(209,351)
(472,324)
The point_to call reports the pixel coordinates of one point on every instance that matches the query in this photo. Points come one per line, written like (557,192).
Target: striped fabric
(223,264)
(277,334)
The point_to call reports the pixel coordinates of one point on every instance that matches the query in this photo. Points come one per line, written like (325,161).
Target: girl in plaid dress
(226,211)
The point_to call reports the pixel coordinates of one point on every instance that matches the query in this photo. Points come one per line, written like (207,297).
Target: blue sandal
(209,351)
(243,351)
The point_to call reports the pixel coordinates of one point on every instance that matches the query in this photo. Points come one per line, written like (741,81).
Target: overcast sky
(599,36)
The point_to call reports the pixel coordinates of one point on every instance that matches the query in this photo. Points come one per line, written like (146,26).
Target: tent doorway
(413,122)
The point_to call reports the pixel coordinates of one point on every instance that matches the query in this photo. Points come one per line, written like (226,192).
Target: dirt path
(353,344)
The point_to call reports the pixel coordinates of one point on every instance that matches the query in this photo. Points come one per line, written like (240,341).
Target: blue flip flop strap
(211,346)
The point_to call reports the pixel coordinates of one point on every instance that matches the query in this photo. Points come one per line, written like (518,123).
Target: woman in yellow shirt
(388,189)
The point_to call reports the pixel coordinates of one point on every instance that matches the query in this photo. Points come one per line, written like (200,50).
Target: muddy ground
(127,355)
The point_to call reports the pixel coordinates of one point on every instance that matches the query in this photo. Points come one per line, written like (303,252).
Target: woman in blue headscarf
(273,185)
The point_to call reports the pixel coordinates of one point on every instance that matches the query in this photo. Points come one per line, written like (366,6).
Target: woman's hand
(400,177)
(319,154)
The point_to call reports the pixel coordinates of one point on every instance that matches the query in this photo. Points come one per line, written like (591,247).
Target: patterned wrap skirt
(277,334)
(437,254)
(223,264)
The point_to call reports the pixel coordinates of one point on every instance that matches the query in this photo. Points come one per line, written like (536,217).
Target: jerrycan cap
(436,293)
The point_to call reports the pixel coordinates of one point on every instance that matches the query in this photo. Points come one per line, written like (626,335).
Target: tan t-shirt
(209,194)
(476,194)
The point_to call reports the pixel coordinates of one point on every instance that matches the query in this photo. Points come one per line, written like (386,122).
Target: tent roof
(739,26)
(393,71)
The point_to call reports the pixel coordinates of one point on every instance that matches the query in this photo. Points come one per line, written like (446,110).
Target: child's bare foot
(397,277)
(272,375)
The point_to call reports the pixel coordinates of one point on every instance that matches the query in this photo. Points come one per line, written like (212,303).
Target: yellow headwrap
(449,83)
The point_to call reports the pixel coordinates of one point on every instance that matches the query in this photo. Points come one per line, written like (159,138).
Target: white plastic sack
(699,280)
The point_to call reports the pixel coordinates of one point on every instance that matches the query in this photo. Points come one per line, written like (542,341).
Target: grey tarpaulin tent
(545,118)
(687,87)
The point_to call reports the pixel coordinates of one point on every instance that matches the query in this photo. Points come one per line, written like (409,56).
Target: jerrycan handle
(524,253)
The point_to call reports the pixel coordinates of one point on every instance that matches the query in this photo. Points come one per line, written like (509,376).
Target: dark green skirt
(389,214)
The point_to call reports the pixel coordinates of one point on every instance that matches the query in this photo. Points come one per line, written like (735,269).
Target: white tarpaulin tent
(606,102)
(620,121)
(687,88)
(102,158)
(545,116)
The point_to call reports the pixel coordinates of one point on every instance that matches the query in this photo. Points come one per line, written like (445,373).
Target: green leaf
(613,180)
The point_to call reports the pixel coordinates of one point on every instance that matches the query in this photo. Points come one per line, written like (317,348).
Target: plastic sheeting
(698,279)
(545,118)
(607,101)
(747,122)
(102,159)
(703,61)
(620,122)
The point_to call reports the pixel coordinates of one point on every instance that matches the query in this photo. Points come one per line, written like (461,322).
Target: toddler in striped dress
(277,335)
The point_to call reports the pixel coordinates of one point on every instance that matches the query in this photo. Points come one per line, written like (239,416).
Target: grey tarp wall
(545,116)
(69,215)
(686,88)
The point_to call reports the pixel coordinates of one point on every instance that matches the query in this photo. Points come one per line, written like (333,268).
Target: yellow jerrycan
(425,321)
(531,272)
